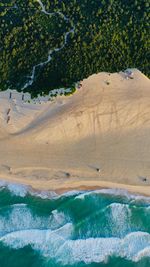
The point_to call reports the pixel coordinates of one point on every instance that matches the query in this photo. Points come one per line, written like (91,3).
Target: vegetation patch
(107,35)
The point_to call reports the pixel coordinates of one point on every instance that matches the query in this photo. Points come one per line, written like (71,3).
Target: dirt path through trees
(41,64)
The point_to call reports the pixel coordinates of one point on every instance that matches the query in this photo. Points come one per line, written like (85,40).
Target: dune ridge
(98,137)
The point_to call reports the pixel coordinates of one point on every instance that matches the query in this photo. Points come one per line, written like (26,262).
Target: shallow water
(93,229)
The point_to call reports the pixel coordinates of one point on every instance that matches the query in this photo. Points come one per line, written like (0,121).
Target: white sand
(105,126)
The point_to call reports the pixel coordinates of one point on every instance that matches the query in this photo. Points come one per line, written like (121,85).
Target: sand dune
(105,125)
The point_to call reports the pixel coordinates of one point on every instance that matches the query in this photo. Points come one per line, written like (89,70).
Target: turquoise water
(94,229)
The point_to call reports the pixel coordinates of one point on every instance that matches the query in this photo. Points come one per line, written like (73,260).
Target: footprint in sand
(5,169)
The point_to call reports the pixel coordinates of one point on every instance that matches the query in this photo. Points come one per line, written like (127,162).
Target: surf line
(49,58)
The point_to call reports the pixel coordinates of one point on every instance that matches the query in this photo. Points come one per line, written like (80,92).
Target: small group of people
(129,74)
(10,96)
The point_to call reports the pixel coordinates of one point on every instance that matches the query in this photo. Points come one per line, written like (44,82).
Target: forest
(103,35)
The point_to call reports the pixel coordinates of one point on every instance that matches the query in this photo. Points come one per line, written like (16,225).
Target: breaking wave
(94,228)
(57,245)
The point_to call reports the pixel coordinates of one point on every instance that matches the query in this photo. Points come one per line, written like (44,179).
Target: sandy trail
(49,57)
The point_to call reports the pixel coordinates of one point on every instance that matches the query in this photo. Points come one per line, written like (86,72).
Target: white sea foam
(58,245)
(20,217)
(2,183)
(118,216)
(46,241)
(22,190)
(72,193)
(115,192)
(15,188)
(18,190)
(43,194)
(58,218)
(141,254)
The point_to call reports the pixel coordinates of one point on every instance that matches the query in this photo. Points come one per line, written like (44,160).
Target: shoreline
(97,138)
(82,185)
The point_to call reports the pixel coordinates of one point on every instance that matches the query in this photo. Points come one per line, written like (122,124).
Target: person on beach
(8,119)
(8,111)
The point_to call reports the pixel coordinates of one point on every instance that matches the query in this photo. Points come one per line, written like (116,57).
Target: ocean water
(94,228)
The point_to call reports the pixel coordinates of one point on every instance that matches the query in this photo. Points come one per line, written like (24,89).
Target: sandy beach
(96,138)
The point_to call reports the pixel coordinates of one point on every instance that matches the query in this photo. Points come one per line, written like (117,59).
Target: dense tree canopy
(109,35)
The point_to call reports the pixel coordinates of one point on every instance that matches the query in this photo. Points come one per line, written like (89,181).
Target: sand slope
(105,125)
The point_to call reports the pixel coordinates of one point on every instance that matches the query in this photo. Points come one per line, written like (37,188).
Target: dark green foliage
(110,35)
